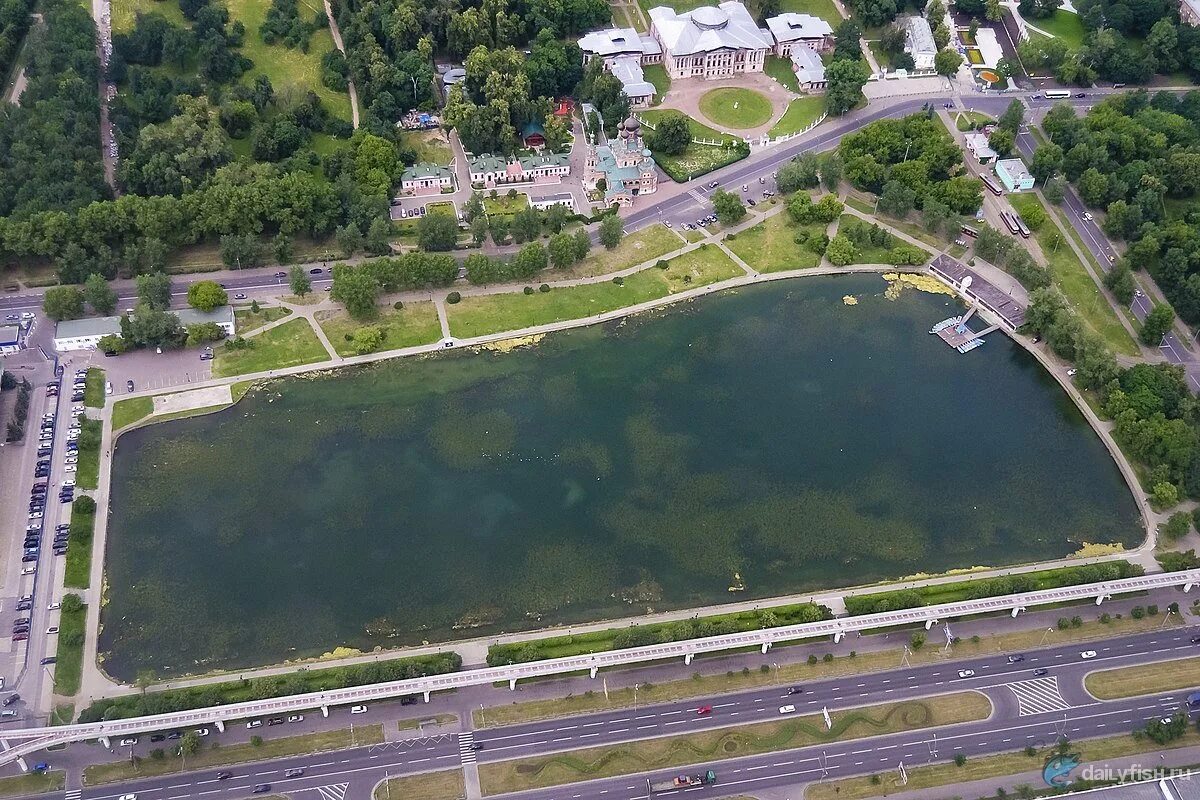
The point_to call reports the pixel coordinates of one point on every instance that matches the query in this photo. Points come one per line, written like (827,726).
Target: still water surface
(774,434)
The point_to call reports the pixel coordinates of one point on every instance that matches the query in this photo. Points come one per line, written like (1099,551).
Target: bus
(991,184)
(1021,226)
(969,231)
(1057,94)
(1009,223)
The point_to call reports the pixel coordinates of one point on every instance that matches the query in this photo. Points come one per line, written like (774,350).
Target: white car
(358,709)
(66,468)
(786,709)
(202,731)
(129,740)
(966,673)
(35,515)
(54,607)
(295,718)
(27,315)
(1088,654)
(108,387)
(254,723)
(1087,215)
(68,482)
(129,797)
(53,629)
(70,460)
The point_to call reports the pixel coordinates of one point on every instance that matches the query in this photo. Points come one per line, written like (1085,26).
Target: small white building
(617,42)
(564,199)
(977,143)
(1015,176)
(628,70)
(222,316)
(790,30)
(710,42)
(918,42)
(426,178)
(809,69)
(10,339)
(85,334)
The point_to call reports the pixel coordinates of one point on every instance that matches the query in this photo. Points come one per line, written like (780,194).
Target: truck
(684,781)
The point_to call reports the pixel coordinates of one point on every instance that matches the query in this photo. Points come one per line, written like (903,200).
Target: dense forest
(14,23)
(1137,157)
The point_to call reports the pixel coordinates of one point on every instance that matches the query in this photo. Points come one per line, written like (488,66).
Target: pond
(756,443)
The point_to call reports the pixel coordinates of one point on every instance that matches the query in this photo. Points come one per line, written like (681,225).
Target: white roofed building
(710,42)
(809,69)
(790,29)
(624,51)
(918,42)
(628,70)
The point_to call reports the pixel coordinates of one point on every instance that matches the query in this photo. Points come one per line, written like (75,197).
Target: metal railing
(34,739)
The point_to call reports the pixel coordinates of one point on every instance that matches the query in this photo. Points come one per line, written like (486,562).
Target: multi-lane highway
(1027,709)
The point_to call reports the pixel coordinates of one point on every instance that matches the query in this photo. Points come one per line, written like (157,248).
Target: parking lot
(147,369)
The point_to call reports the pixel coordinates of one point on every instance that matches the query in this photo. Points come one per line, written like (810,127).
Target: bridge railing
(33,739)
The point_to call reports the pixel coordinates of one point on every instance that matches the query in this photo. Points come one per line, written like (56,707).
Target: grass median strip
(87,470)
(721,743)
(708,685)
(68,668)
(445,785)
(1163,676)
(215,756)
(77,574)
(288,345)
(33,783)
(93,388)
(493,313)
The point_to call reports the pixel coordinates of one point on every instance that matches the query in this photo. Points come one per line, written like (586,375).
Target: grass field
(430,146)
(87,471)
(723,743)
(736,108)
(770,247)
(636,248)
(866,254)
(291,344)
(913,229)
(780,69)
(1073,279)
(68,669)
(1063,25)
(1163,676)
(33,783)
(213,756)
(77,574)
(93,391)
(970,120)
(800,113)
(290,70)
(416,323)
(445,785)
(657,75)
(124,12)
(484,314)
(127,412)
(246,320)
(697,159)
(699,129)
(503,204)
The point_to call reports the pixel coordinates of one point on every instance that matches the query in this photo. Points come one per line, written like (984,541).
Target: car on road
(239,296)
(129,797)
(108,387)
(254,723)
(745,187)
(54,606)
(1016,659)
(315,271)
(713,184)
(294,772)
(787,709)
(224,776)
(281,274)
(157,737)
(1087,215)
(129,741)
(1195,640)
(202,731)
(206,356)
(12,699)
(1080,94)
(966,673)
(295,718)
(704,710)
(796,690)
(1088,654)
(275,721)
(358,709)
(175,735)
(1166,720)
(262,788)
(12,317)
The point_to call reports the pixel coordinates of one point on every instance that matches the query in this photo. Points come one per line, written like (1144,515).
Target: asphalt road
(1037,712)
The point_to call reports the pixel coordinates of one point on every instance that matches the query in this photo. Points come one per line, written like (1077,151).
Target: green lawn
(503,204)
(87,470)
(93,391)
(636,248)
(444,785)
(657,74)
(770,247)
(291,344)
(245,320)
(699,129)
(127,412)
(736,108)
(697,159)
(431,147)
(780,69)
(290,70)
(33,783)
(78,570)
(1073,279)
(970,120)
(1063,25)
(800,113)
(124,12)
(68,669)
(825,9)
(484,314)
(416,323)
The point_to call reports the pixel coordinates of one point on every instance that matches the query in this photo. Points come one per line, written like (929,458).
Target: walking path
(337,42)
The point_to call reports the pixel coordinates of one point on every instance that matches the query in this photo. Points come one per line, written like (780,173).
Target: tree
(555,217)
(1047,162)
(473,208)
(562,250)
(377,242)
(367,339)
(897,199)
(357,289)
(240,250)
(583,244)
(479,230)
(1156,325)
(846,40)
(204,332)
(671,135)
(831,171)
(349,238)
(189,744)
(99,294)
(1055,190)
(1002,141)
(892,39)
(529,260)
(112,344)
(799,173)
(298,281)
(151,327)
(844,81)
(612,230)
(1012,117)
(154,290)
(728,206)
(946,62)
(63,302)
(437,231)
(206,295)
(526,224)
(841,251)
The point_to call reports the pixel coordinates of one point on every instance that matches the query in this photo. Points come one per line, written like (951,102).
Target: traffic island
(444,785)
(723,743)
(1163,676)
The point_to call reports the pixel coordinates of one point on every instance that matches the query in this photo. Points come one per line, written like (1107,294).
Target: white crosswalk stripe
(1037,696)
(334,791)
(466,749)
(74,794)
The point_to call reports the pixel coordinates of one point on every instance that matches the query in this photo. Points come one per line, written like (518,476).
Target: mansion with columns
(710,42)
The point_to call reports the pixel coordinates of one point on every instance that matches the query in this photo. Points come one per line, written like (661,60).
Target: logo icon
(1057,772)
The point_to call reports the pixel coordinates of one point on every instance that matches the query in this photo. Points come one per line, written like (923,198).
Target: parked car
(129,386)
(358,709)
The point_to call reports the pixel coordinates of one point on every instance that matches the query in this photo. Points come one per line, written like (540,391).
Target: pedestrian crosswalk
(74,794)
(466,747)
(1037,696)
(334,791)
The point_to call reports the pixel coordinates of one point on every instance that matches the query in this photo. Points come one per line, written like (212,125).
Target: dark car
(408,700)
(796,690)
(1195,640)
(281,274)
(262,788)
(275,721)
(25,559)
(157,737)
(223,776)
(315,271)
(129,385)
(1037,673)
(175,735)
(49,660)
(12,698)
(1017,659)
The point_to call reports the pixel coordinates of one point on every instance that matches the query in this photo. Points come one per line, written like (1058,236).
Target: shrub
(917,640)
(1105,619)
(827,658)
(662,264)
(1076,622)
(453,298)
(1152,610)
(398,305)
(545,287)
(85,504)
(745,671)
(256,741)
(1063,623)
(812,660)
(528,290)
(619,281)
(1137,612)
(959,759)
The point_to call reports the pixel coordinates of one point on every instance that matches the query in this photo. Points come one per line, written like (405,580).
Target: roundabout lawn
(736,108)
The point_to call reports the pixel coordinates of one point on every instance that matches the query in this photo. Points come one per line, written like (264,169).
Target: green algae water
(773,440)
